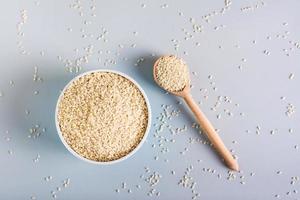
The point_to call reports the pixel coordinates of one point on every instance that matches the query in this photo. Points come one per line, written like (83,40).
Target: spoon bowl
(182,93)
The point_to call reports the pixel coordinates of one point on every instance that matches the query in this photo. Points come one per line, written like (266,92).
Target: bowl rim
(130,153)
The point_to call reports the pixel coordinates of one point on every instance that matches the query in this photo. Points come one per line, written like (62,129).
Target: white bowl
(113,161)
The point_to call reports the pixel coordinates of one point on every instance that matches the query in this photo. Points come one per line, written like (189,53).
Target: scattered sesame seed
(266,52)
(291,76)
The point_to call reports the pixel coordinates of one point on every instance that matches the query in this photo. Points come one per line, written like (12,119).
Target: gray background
(223,55)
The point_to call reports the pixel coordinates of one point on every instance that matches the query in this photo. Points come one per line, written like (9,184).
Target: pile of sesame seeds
(187,181)
(59,188)
(172,73)
(150,181)
(20,32)
(36,131)
(103,116)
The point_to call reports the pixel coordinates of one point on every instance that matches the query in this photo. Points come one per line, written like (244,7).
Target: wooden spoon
(206,126)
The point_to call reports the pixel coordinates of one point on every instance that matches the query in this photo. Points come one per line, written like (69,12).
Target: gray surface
(257,88)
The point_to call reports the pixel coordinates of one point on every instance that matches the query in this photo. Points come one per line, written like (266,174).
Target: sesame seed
(291,76)
(279,172)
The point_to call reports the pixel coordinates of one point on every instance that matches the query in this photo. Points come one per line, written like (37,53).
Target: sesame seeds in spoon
(172,74)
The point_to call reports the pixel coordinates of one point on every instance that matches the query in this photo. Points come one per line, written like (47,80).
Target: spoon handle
(211,134)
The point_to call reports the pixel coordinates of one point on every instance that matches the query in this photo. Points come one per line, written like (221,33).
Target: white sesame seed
(279,172)
(282,98)
(291,76)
